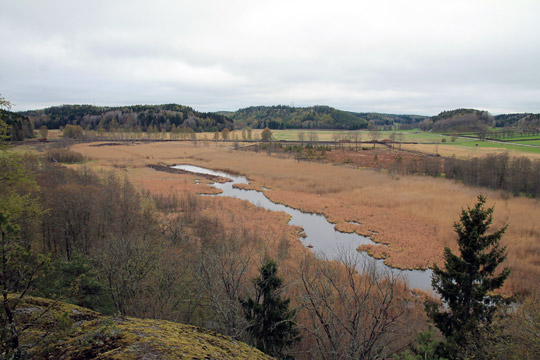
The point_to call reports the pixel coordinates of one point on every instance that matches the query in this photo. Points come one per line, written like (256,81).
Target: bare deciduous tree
(301,137)
(357,135)
(374,135)
(222,273)
(125,263)
(400,139)
(351,315)
(313,137)
(393,137)
(336,136)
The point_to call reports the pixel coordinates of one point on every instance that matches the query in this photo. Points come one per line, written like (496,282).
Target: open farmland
(516,147)
(467,149)
(411,217)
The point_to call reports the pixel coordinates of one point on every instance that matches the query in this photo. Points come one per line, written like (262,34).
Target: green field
(527,142)
(328,135)
(520,138)
(515,137)
(490,144)
(417,136)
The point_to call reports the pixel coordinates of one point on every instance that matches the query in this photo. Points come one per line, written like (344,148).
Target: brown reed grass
(413,215)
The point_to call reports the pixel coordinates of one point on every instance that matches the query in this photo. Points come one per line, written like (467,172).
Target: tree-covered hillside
(458,120)
(169,117)
(315,117)
(19,127)
(286,117)
(519,120)
(159,117)
(381,119)
(475,120)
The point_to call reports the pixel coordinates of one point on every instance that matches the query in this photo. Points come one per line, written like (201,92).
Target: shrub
(64,156)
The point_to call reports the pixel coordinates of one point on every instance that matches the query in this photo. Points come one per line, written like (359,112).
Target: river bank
(318,234)
(413,215)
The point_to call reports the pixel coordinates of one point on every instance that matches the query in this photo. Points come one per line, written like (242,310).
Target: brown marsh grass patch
(278,239)
(414,215)
(464,152)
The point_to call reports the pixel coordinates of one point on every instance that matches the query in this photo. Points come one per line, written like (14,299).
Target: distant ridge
(474,119)
(314,117)
(19,126)
(168,117)
(135,117)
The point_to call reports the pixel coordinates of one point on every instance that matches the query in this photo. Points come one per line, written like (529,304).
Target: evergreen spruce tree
(271,323)
(424,349)
(467,281)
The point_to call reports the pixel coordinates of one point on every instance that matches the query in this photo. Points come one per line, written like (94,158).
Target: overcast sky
(393,56)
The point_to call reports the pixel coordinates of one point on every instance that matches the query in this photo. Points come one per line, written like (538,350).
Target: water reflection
(321,235)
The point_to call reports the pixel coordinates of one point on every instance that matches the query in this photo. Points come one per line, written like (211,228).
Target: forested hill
(170,116)
(458,120)
(19,126)
(314,117)
(473,119)
(519,120)
(137,117)
(381,119)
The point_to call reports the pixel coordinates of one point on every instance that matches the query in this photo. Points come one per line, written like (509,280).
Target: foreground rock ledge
(72,332)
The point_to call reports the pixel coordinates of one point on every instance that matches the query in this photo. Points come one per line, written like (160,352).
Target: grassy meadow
(420,141)
(410,216)
(426,142)
(516,147)
(329,135)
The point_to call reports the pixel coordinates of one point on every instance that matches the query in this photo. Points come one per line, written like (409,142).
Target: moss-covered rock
(64,331)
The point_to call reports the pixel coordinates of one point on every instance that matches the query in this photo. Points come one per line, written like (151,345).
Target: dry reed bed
(465,152)
(277,239)
(413,215)
(280,239)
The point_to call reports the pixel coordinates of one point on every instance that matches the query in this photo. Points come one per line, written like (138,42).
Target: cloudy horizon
(390,56)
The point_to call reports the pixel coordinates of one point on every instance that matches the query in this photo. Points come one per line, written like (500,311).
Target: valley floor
(410,216)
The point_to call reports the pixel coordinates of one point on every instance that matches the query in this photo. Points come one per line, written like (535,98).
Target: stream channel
(319,232)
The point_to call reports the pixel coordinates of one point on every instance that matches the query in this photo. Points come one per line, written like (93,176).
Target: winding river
(319,232)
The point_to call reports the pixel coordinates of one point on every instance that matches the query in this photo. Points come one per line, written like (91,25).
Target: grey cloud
(415,57)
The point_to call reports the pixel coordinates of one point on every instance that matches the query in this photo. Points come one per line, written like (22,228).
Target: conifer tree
(19,266)
(467,281)
(271,323)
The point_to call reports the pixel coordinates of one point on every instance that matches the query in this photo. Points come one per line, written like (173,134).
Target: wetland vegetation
(99,224)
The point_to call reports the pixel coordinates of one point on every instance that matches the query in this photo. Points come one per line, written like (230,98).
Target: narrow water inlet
(320,235)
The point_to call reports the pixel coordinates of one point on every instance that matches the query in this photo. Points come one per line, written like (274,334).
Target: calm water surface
(320,233)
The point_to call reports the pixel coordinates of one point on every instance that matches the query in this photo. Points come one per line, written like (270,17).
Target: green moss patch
(63,331)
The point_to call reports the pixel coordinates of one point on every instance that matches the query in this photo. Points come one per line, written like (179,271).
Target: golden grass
(414,215)
(463,152)
(278,239)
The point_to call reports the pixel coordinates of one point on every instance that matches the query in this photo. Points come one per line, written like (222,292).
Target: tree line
(462,120)
(158,118)
(129,118)
(519,176)
(481,122)
(14,126)
(523,120)
(287,117)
